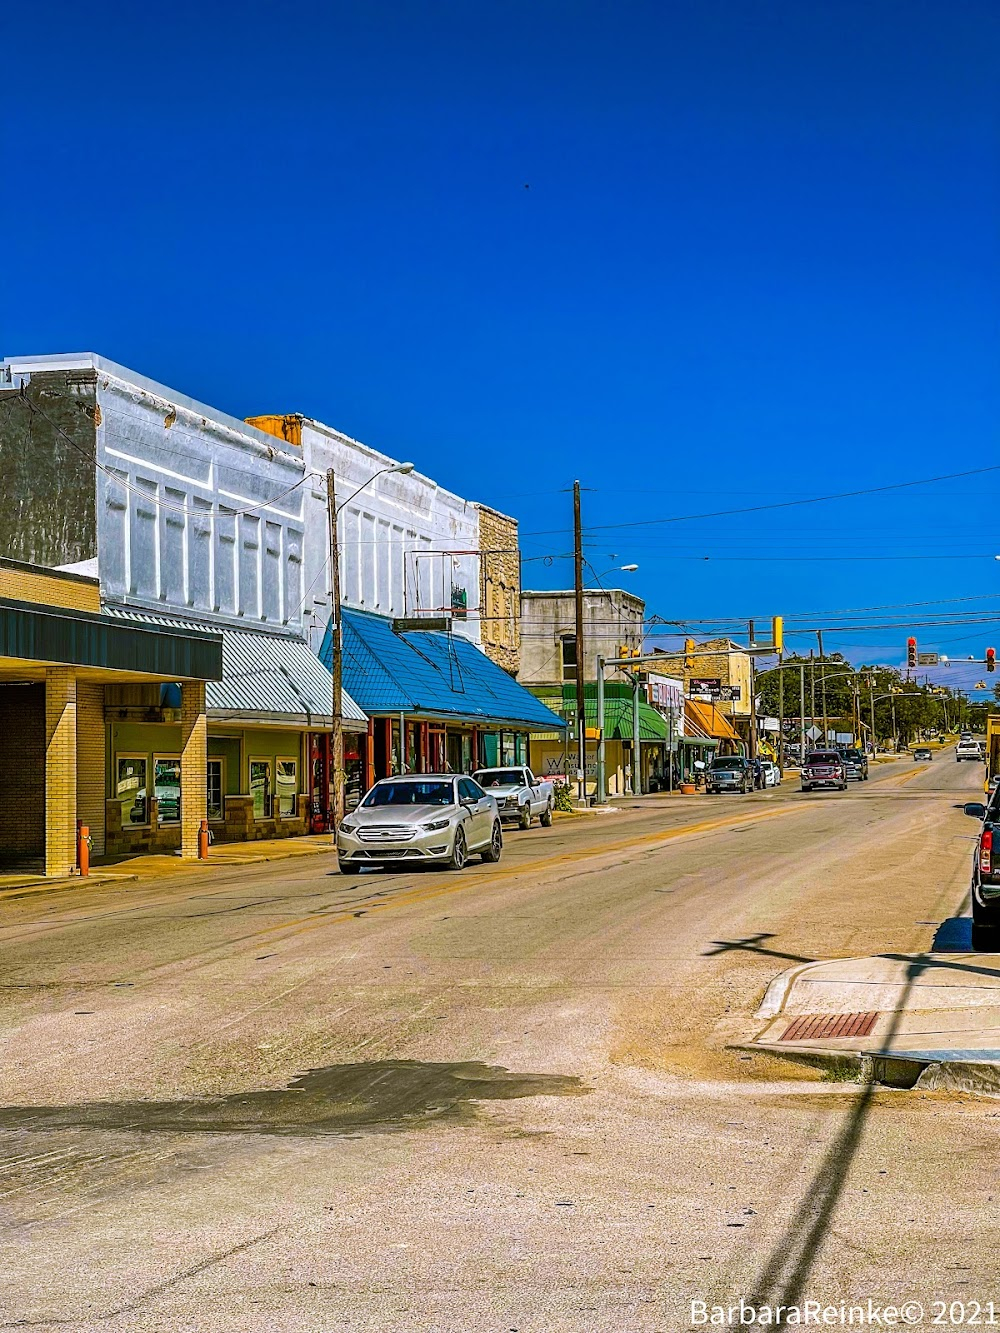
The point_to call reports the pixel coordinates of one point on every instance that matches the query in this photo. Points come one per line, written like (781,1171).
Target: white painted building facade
(196,512)
(408,547)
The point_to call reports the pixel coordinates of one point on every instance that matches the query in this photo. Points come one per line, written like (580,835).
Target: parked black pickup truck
(986,875)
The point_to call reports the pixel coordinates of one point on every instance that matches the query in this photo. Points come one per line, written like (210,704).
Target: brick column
(60,771)
(194,765)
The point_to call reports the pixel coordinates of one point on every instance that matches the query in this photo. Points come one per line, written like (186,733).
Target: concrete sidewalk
(162,866)
(895,1018)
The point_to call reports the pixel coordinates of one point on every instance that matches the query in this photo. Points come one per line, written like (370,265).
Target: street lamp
(337,634)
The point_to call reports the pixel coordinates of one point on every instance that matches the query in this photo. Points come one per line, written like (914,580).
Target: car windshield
(411,793)
(499,777)
(855,756)
(727,761)
(823,757)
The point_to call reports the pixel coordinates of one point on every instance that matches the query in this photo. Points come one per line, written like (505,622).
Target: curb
(57,885)
(958,1076)
(777,990)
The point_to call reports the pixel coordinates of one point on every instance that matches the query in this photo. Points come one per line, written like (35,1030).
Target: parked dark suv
(824,768)
(729,772)
(985,888)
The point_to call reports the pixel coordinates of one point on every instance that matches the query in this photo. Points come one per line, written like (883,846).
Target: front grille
(387,833)
(389,853)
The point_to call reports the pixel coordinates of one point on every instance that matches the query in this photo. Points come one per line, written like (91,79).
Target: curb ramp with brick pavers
(927,1020)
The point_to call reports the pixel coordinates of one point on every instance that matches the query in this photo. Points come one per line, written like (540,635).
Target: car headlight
(348,828)
(435,825)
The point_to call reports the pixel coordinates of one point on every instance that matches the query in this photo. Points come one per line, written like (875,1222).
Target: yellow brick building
(58,657)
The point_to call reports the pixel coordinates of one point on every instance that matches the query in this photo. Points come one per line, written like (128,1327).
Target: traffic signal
(689,653)
(991,659)
(911,651)
(778,632)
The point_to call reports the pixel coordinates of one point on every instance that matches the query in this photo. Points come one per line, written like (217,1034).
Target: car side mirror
(975,808)
(469,800)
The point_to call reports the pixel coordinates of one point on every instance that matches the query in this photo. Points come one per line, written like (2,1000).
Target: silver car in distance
(432,818)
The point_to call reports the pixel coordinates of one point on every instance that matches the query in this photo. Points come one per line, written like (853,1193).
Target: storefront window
(216,803)
(260,787)
(167,788)
(287,787)
(435,759)
(353,770)
(130,788)
(412,765)
(395,753)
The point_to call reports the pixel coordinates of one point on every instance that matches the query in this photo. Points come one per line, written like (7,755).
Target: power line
(782,504)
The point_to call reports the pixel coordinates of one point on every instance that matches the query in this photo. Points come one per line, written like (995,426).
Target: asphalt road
(277,1098)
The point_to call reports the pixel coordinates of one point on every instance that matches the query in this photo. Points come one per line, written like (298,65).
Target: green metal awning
(617,712)
(56,636)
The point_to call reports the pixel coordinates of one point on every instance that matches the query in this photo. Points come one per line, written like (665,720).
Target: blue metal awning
(433,674)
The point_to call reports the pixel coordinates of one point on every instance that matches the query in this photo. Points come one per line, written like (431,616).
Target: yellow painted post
(194,766)
(60,771)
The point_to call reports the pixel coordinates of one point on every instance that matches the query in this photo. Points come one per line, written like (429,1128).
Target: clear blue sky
(757,259)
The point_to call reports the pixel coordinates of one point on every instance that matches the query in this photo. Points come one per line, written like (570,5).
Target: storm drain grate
(812,1027)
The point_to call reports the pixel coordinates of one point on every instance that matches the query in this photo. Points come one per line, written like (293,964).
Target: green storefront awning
(617,712)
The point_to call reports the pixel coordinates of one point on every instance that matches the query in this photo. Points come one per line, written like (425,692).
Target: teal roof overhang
(57,636)
(431,674)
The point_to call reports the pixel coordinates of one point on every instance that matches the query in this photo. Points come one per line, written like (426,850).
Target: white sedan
(772,773)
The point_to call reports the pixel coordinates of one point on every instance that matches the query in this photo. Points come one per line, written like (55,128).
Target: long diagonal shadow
(782,1279)
(753,944)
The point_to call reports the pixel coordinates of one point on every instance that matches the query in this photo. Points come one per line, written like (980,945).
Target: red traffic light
(911,651)
(991,659)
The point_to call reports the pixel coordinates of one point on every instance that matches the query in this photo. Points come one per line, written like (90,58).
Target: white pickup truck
(968,749)
(519,794)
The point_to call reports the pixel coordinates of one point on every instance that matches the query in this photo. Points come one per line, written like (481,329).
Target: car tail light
(986,850)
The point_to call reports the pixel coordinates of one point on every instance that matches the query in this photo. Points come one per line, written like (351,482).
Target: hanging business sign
(713,688)
(710,685)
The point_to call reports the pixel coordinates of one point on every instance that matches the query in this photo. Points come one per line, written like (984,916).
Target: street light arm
(404,468)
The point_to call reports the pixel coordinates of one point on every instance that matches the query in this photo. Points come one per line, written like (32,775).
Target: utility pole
(753,697)
(670,747)
(581,712)
(822,682)
(781,718)
(802,712)
(336,659)
(812,692)
(871,700)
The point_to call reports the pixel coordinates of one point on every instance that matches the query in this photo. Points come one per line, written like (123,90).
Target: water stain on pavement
(381,1095)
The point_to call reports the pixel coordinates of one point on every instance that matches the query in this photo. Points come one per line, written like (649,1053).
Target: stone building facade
(500,588)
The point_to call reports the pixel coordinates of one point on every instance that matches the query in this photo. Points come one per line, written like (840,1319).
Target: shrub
(563,796)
